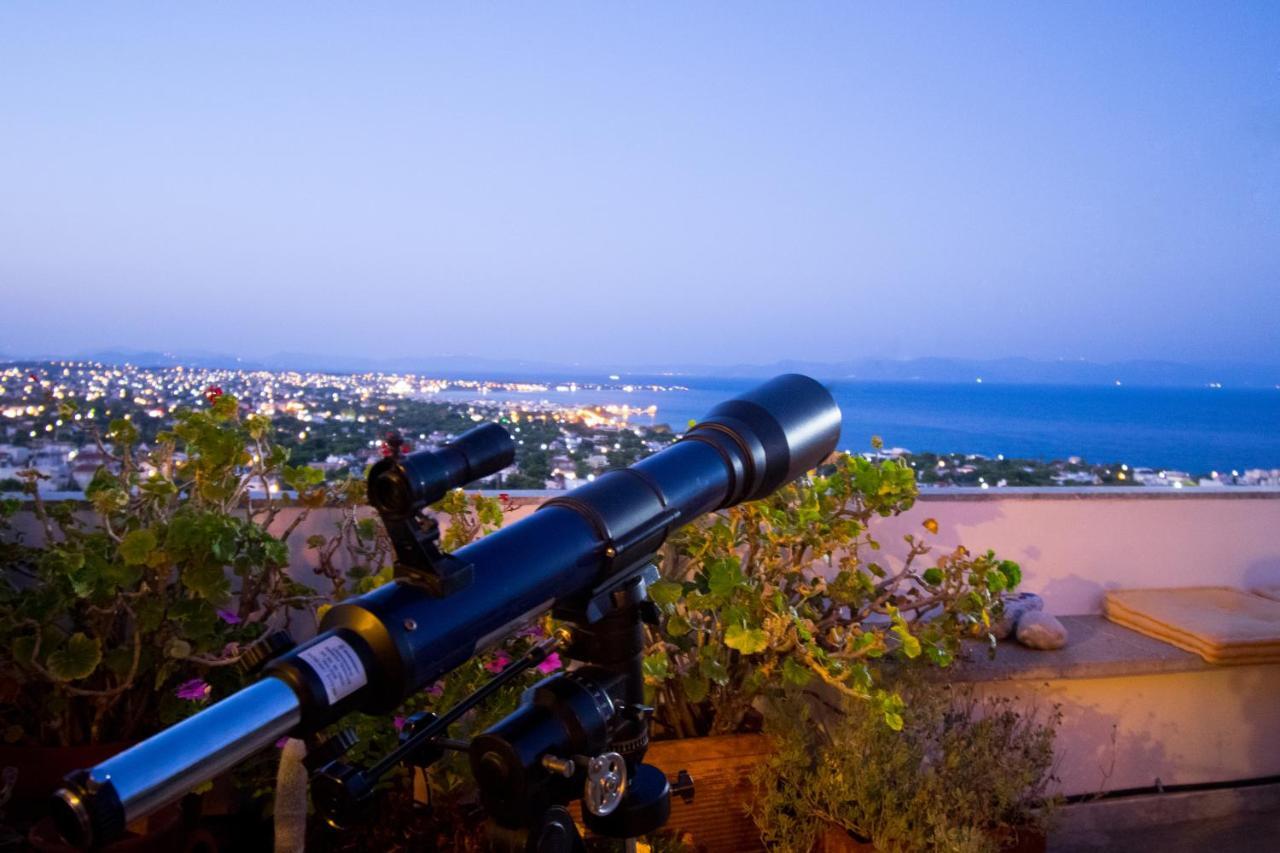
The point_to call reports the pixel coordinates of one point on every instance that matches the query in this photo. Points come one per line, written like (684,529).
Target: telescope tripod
(579,735)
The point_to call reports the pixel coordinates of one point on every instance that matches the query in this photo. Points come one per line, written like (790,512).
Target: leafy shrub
(796,587)
(962,776)
(128,617)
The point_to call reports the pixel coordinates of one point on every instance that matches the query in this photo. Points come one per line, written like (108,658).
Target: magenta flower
(436,690)
(280,743)
(499,662)
(398,722)
(195,690)
(229,616)
(551,664)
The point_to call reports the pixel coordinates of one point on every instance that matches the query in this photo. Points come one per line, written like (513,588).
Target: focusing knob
(330,749)
(606,783)
(254,657)
(682,787)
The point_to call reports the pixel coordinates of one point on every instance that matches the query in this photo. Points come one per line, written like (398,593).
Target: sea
(1196,430)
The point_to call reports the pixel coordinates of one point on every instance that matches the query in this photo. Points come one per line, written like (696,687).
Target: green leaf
(910,644)
(748,641)
(678,626)
(75,660)
(710,665)
(794,672)
(695,687)
(23,648)
(657,666)
(893,720)
(938,656)
(124,577)
(665,593)
(119,660)
(1012,573)
(208,582)
(196,617)
(177,648)
(996,581)
(724,576)
(933,577)
(150,612)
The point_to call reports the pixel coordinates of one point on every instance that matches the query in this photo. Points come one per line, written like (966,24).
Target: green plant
(131,615)
(796,587)
(963,775)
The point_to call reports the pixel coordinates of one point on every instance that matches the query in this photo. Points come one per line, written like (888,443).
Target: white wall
(1072,544)
(1072,547)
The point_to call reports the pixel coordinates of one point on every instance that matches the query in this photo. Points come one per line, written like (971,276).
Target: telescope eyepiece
(399,486)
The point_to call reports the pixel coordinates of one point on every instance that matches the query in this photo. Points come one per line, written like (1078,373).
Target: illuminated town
(336,423)
(333,422)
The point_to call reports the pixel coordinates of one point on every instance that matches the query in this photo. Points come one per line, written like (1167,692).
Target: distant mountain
(1008,370)
(1002,370)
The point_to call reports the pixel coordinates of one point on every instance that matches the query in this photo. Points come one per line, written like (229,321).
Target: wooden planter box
(718,818)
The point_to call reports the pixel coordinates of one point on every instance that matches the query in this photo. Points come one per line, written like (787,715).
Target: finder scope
(399,486)
(582,555)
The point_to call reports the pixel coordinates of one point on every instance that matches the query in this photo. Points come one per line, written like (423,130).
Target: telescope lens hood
(776,432)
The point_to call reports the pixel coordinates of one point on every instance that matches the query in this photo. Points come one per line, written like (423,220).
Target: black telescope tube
(374,651)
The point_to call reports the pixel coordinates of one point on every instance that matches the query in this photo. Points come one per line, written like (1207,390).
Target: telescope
(586,557)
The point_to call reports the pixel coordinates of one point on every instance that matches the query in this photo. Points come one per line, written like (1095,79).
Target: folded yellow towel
(1220,624)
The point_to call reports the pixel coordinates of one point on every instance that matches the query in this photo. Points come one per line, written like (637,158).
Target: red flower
(393,444)
(213,392)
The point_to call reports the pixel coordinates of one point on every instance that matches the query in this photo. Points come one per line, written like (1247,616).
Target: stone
(1015,605)
(1040,630)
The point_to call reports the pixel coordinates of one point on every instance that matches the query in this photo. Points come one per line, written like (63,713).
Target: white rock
(1015,605)
(1040,630)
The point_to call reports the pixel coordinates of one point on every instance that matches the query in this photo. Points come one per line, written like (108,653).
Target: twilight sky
(645,182)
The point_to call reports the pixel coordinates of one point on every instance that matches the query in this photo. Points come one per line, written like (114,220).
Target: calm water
(1193,429)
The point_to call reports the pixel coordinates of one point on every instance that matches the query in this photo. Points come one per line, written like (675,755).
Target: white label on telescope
(338,666)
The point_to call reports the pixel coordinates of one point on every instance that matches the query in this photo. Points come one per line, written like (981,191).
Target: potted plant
(120,619)
(793,590)
(961,775)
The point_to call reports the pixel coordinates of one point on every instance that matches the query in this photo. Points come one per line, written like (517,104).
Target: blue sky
(648,182)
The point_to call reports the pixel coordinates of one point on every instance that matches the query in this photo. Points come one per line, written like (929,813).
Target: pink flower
(229,616)
(436,690)
(533,632)
(499,662)
(280,743)
(551,664)
(398,722)
(195,690)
